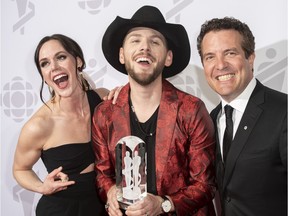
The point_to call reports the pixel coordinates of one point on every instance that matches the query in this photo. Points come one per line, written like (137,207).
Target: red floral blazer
(185,146)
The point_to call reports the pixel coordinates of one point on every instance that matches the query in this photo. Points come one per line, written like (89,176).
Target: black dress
(80,199)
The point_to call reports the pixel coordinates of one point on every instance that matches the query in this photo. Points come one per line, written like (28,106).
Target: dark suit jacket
(254,181)
(184,149)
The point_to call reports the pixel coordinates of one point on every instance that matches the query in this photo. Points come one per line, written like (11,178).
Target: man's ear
(121,56)
(169,58)
(251,59)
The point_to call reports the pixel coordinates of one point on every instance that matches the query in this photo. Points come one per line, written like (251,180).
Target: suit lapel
(247,123)
(214,114)
(219,163)
(165,129)
(121,112)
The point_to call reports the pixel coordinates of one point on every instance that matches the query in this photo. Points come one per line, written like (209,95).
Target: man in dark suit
(252,173)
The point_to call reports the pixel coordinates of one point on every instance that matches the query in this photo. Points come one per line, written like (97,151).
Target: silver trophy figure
(130,170)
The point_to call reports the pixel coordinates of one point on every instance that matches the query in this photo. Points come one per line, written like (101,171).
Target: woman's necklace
(149,134)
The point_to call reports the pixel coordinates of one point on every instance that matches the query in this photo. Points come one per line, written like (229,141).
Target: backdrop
(25,22)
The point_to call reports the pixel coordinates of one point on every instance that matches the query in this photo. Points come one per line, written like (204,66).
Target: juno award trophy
(130,170)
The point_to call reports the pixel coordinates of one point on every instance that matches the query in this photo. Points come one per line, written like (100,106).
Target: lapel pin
(245,127)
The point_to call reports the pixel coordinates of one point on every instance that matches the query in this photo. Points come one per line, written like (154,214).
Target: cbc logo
(18,99)
(94,6)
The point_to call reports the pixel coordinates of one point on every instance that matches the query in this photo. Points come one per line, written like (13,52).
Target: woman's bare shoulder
(39,125)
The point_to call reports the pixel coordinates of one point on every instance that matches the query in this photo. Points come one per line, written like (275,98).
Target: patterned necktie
(228,134)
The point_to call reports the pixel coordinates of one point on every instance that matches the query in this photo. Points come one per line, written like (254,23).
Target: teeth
(59,76)
(142,59)
(225,77)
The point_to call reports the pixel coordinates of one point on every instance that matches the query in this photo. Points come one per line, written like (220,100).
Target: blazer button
(228,199)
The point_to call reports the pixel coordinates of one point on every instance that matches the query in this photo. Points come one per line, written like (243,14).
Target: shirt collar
(241,101)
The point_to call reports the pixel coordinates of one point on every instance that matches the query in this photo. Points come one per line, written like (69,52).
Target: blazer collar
(247,123)
(167,118)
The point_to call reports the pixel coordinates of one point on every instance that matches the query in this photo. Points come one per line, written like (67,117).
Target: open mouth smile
(60,78)
(225,77)
(144,60)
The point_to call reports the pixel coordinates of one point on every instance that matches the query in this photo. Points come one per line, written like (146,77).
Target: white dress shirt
(239,104)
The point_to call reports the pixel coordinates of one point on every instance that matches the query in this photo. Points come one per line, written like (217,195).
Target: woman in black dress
(60,134)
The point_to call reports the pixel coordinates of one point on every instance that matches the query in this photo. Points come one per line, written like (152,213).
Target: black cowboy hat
(151,17)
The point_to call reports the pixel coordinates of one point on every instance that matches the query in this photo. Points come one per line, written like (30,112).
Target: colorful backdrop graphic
(25,22)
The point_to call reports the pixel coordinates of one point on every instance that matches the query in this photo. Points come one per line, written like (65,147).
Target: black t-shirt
(147,132)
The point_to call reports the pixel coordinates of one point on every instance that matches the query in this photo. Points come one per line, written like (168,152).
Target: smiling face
(227,70)
(145,54)
(58,68)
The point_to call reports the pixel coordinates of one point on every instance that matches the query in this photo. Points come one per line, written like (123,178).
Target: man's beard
(145,79)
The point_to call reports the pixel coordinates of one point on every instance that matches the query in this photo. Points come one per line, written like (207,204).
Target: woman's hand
(113,94)
(56,181)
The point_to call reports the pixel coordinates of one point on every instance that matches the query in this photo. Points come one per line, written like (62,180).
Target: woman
(60,133)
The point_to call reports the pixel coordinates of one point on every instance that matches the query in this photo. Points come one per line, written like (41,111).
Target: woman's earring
(50,90)
(84,82)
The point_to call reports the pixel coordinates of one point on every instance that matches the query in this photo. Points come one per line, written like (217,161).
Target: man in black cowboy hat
(175,126)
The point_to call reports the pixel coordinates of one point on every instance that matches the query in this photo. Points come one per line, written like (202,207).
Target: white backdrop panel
(25,22)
